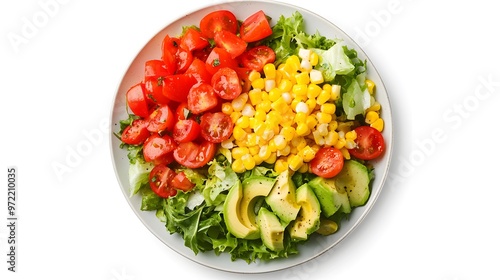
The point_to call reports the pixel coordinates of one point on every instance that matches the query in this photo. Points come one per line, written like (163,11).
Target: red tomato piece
(226,83)
(230,42)
(182,112)
(216,127)
(370,143)
(157,148)
(219,58)
(136,100)
(186,131)
(169,47)
(181,182)
(160,181)
(193,40)
(245,82)
(217,21)
(201,98)
(156,68)
(256,27)
(199,71)
(183,58)
(135,133)
(256,57)
(176,87)
(160,120)
(154,91)
(327,162)
(194,155)
(203,53)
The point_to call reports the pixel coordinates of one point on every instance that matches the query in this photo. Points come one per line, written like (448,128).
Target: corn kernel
(253,75)
(314,59)
(345,153)
(351,135)
(302,129)
(275,94)
(304,168)
(370,85)
(302,78)
(270,71)
(328,108)
(280,105)
(271,159)
(322,129)
(273,118)
(258,83)
(311,121)
(269,84)
(375,107)
(335,94)
(254,150)
(239,102)
(264,152)
(323,97)
(299,90)
(238,166)
(265,105)
(313,91)
(285,85)
(371,117)
(235,116)
(280,165)
(350,144)
(332,138)
(238,152)
(340,143)
(311,103)
(378,124)
(316,76)
(288,132)
(293,62)
(333,125)
(295,162)
(284,152)
(307,153)
(248,161)
(323,117)
(299,142)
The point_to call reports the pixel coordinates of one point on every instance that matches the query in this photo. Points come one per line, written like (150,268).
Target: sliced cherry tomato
(199,71)
(328,162)
(135,133)
(170,45)
(136,100)
(160,181)
(181,182)
(194,155)
(217,21)
(256,57)
(176,87)
(154,91)
(226,83)
(219,58)
(201,98)
(186,131)
(182,112)
(183,58)
(216,127)
(230,42)
(256,27)
(193,40)
(160,120)
(157,148)
(156,68)
(370,143)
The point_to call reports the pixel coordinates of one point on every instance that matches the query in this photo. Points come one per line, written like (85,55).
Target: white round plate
(317,245)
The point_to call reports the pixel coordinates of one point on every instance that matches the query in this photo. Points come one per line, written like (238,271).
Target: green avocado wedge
(308,219)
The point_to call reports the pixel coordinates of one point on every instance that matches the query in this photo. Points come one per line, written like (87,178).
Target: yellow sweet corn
(378,124)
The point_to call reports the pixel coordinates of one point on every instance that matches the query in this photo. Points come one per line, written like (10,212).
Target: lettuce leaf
(333,62)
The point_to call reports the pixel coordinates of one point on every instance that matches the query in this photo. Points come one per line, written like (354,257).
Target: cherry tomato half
(160,120)
(256,27)
(181,182)
(226,83)
(201,98)
(256,57)
(370,143)
(230,42)
(193,40)
(186,131)
(217,21)
(194,155)
(157,149)
(160,181)
(328,162)
(136,133)
(176,87)
(216,127)
(136,100)
(219,58)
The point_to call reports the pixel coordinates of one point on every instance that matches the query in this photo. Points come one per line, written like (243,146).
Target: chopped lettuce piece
(333,62)
(138,173)
(352,101)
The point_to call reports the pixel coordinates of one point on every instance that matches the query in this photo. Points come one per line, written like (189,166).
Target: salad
(248,138)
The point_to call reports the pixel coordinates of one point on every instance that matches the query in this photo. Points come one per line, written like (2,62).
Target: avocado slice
(308,219)
(232,215)
(355,179)
(254,187)
(272,232)
(282,198)
(332,198)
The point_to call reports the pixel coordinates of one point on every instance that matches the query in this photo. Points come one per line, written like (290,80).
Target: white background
(437,217)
